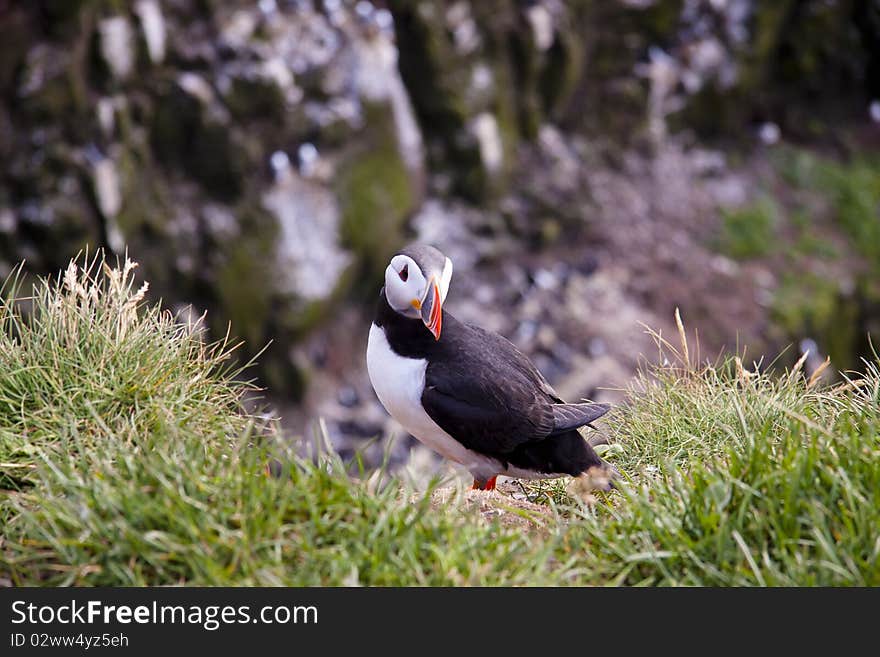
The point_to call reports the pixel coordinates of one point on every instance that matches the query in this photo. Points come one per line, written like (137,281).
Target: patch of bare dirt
(494,505)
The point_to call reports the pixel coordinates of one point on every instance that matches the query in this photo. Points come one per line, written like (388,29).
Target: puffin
(467,393)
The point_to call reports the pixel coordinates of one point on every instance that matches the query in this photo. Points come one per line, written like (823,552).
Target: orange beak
(432,308)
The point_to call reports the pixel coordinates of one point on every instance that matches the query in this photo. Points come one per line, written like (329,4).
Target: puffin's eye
(404,273)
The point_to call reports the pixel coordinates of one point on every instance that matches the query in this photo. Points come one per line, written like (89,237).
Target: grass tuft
(738,477)
(127,459)
(83,358)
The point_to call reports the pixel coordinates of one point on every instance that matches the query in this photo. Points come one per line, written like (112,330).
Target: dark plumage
(486,394)
(426,257)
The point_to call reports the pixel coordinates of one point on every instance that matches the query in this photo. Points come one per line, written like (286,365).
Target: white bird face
(418,291)
(405,286)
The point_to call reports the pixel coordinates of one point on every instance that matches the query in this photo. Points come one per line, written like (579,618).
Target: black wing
(485,393)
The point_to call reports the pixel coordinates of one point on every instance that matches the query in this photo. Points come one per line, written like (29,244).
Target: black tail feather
(567,453)
(572,416)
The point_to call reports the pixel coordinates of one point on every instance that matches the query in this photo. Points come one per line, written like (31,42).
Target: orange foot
(486,485)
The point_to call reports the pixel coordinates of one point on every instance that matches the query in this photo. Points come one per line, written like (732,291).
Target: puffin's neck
(407,337)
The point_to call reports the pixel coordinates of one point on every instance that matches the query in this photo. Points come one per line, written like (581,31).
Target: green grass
(759,480)
(748,232)
(851,189)
(855,191)
(127,459)
(816,227)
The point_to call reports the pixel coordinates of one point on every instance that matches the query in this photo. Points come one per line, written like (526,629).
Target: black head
(429,259)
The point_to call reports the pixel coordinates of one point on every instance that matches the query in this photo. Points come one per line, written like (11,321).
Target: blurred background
(588,165)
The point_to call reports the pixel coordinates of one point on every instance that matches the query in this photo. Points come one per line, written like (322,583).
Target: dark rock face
(263,159)
(256,157)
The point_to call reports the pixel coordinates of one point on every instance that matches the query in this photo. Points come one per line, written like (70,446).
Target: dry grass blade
(816,376)
(792,375)
(683,338)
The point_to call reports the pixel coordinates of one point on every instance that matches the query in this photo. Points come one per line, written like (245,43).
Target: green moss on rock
(254,96)
(376,193)
(803,62)
(748,232)
(437,78)
(245,287)
(809,305)
(840,317)
(247,267)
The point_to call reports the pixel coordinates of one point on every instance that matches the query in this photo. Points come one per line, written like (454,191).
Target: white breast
(399,383)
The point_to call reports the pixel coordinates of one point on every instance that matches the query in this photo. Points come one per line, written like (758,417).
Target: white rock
(116,45)
(280,163)
(308,157)
(108,192)
(240,27)
(769,133)
(541,21)
(364,9)
(115,240)
(378,79)
(465,34)
(485,128)
(663,73)
(433,225)
(458,13)
(153,26)
(376,65)
(724,265)
(545,279)
(466,37)
(106,110)
(7,220)
(309,255)
(384,19)
(276,70)
(481,78)
(597,347)
(220,221)
(195,85)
